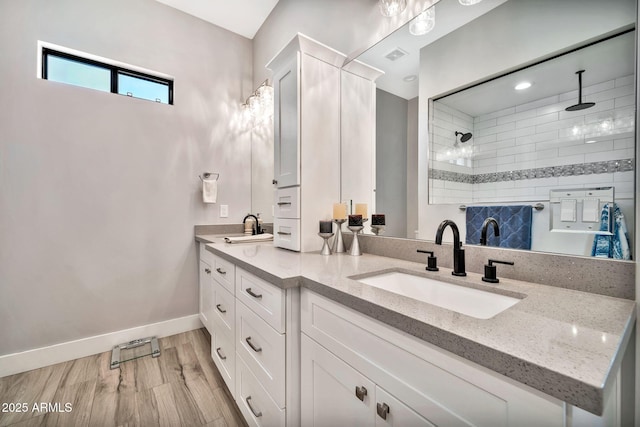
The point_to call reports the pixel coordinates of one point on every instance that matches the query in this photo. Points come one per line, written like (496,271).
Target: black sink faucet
(257,229)
(485,225)
(458,252)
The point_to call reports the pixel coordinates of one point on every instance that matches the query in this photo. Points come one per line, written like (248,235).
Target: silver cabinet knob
(255,413)
(361,392)
(255,348)
(221,271)
(207,270)
(220,309)
(222,356)
(382,410)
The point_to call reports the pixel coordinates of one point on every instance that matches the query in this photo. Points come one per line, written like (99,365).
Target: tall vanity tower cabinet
(306,82)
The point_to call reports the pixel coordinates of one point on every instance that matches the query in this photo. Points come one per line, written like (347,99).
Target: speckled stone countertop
(563,342)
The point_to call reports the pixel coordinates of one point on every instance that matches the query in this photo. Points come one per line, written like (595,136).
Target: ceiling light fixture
(522,86)
(423,23)
(410,78)
(469,2)
(391,8)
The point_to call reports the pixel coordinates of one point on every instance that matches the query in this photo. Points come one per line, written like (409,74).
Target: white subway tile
(496,129)
(585,180)
(547,109)
(485,169)
(560,124)
(517,166)
(484,139)
(560,161)
(519,149)
(508,135)
(516,116)
(596,147)
(537,104)
(611,155)
(625,81)
(624,101)
(599,87)
(537,137)
(444,116)
(546,154)
(610,94)
(484,125)
(526,157)
(495,114)
(538,120)
(619,177)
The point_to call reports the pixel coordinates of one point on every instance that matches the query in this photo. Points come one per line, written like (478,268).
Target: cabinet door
(286,84)
(205,294)
(332,392)
(391,412)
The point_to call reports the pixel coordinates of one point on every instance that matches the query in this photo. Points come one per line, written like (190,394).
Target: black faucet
(485,225)
(257,229)
(458,252)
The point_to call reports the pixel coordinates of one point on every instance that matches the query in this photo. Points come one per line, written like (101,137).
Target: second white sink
(472,302)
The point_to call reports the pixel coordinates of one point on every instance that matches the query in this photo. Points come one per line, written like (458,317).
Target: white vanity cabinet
(407,381)
(255,335)
(306,82)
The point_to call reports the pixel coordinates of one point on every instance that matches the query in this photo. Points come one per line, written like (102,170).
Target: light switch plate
(224,211)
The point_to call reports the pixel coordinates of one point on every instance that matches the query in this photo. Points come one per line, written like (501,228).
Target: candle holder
(377,229)
(326,250)
(355,245)
(338,242)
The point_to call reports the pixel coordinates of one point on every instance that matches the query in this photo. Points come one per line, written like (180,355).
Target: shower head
(465,136)
(580,105)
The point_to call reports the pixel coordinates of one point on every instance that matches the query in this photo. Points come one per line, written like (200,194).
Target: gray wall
(412,168)
(99,193)
(391,161)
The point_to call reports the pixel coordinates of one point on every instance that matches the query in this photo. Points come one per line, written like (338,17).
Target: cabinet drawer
(254,401)
(205,255)
(287,203)
(265,299)
(224,356)
(224,273)
(263,350)
(223,309)
(286,233)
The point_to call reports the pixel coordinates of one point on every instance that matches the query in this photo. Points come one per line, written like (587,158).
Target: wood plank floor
(182,387)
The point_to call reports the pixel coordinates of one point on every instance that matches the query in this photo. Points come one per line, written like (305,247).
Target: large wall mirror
(452,130)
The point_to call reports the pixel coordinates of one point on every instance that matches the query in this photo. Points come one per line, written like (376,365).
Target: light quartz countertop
(565,343)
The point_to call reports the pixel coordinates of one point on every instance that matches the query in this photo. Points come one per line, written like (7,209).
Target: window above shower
(492,142)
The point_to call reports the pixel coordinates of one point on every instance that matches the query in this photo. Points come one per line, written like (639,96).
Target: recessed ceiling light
(523,86)
(411,78)
(591,141)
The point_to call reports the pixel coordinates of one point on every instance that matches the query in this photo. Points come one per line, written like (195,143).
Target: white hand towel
(209,190)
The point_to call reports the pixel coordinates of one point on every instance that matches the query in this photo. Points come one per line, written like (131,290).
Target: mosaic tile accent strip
(609,166)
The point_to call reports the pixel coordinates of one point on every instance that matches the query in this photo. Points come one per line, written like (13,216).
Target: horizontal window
(76,70)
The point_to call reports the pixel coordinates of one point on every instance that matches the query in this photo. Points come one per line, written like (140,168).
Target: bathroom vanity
(311,344)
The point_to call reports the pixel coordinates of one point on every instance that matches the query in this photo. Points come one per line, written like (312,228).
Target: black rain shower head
(580,105)
(465,136)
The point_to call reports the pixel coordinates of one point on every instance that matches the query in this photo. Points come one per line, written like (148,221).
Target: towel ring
(207,175)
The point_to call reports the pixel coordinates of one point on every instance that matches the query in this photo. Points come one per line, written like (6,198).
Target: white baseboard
(37,358)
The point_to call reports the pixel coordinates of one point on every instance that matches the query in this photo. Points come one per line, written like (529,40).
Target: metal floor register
(134,350)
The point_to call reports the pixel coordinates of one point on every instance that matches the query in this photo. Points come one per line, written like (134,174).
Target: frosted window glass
(77,73)
(141,88)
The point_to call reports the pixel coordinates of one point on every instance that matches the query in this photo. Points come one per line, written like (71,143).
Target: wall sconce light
(259,105)
(391,8)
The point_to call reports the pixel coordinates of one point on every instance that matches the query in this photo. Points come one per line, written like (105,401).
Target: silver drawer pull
(207,270)
(253,411)
(282,233)
(283,203)
(222,356)
(256,349)
(253,294)
(361,392)
(221,310)
(382,410)
(221,271)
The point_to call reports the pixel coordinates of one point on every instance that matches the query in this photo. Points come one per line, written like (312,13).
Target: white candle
(339,211)
(361,209)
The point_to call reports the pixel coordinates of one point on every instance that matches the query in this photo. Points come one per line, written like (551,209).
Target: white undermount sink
(472,302)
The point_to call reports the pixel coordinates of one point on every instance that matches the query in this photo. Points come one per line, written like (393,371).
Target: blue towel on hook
(614,246)
(514,222)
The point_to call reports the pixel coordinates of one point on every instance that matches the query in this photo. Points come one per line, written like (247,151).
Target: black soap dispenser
(490,271)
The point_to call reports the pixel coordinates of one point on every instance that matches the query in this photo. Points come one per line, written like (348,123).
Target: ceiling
(602,62)
(450,15)
(244,17)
